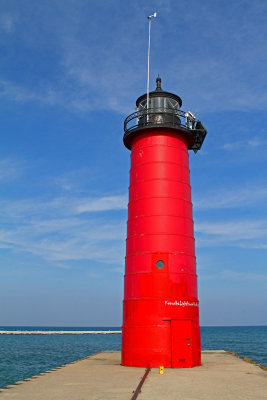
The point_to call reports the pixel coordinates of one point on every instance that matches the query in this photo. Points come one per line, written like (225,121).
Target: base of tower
(161,345)
(140,360)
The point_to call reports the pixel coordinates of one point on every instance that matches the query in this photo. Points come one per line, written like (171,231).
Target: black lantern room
(162,109)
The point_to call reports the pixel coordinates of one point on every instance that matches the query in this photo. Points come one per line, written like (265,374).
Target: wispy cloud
(21,94)
(260,246)
(237,233)
(245,144)
(102,204)
(7,22)
(235,275)
(234,230)
(9,169)
(232,198)
(91,240)
(76,180)
(93,275)
(96,70)
(61,206)
(58,230)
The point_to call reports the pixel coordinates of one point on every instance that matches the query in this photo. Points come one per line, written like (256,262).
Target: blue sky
(70,72)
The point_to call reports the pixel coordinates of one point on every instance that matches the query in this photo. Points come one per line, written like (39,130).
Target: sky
(70,72)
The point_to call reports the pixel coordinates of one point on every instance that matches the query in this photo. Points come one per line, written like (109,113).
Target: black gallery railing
(158,116)
(154,117)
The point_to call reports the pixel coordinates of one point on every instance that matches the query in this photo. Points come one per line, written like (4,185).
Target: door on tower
(181,343)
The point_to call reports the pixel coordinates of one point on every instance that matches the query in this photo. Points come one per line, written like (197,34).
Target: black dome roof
(158,92)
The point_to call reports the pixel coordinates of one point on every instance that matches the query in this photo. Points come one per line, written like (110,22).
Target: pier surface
(100,376)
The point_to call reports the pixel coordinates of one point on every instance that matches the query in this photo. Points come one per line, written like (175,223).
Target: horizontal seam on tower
(159,215)
(161,273)
(161,197)
(157,145)
(141,253)
(145,326)
(160,162)
(159,179)
(159,234)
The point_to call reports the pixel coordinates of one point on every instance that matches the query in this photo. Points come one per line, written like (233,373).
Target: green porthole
(160,264)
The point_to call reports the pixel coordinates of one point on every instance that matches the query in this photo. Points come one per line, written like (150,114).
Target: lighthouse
(160,306)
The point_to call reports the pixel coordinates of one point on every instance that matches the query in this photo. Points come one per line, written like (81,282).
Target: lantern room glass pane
(142,105)
(171,103)
(159,103)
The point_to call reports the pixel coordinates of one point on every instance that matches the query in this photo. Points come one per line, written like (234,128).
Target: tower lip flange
(130,135)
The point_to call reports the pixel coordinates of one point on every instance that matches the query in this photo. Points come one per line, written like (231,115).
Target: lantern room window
(161,103)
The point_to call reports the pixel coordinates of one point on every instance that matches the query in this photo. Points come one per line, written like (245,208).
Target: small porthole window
(160,264)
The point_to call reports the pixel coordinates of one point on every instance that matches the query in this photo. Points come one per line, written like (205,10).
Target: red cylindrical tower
(160,308)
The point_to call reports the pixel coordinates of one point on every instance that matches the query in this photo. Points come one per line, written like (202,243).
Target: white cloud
(64,206)
(9,169)
(259,246)
(93,275)
(96,70)
(54,230)
(235,275)
(234,230)
(92,240)
(102,204)
(21,94)
(242,233)
(245,144)
(7,22)
(118,269)
(232,198)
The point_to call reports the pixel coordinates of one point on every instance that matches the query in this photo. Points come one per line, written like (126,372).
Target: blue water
(22,356)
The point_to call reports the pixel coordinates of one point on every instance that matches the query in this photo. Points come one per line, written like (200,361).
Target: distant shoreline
(59,332)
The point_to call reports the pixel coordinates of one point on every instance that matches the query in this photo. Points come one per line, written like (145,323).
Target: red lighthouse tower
(160,308)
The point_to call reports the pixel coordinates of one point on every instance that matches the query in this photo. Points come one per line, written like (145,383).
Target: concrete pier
(100,376)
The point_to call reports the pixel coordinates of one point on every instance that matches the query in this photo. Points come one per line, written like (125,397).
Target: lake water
(22,356)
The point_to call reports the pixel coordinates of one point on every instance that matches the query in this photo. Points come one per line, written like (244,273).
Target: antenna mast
(148,57)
